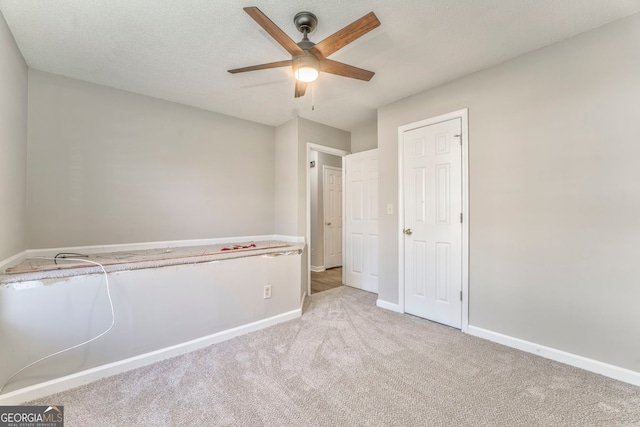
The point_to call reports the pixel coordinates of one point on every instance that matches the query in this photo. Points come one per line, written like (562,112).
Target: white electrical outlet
(267,291)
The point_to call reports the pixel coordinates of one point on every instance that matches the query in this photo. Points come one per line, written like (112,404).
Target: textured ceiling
(179,50)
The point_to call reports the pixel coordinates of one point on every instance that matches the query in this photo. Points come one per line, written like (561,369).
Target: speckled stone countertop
(42,268)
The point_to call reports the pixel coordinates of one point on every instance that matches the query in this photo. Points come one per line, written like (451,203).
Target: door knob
(408,231)
(328,223)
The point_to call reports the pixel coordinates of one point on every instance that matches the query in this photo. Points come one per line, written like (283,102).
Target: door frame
(325,168)
(463,115)
(336,152)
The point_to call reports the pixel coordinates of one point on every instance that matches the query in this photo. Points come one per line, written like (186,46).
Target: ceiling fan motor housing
(309,61)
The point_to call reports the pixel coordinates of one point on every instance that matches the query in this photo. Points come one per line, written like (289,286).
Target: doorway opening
(325,280)
(325,231)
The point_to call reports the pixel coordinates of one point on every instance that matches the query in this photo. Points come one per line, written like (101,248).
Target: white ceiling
(179,50)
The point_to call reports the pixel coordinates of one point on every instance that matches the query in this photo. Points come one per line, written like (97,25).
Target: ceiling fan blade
(340,69)
(346,35)
(274,31)
(262,66)
(301,88)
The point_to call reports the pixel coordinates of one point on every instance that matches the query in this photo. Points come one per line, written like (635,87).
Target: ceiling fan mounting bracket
(305,22)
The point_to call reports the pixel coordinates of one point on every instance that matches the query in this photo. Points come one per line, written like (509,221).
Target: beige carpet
(348,363)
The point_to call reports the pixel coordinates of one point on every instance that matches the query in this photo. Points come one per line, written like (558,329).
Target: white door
(332,217)
(432,172)
(361,212)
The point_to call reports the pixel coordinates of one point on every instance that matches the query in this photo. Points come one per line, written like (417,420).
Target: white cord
(113,321)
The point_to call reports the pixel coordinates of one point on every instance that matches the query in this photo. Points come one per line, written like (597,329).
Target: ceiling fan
(308,58)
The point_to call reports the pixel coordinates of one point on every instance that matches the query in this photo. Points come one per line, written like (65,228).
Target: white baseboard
(80,378)
(388,305)
(317,268)
(304,297)
(612,371)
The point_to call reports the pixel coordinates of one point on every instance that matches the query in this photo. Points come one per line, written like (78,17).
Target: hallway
(325,280)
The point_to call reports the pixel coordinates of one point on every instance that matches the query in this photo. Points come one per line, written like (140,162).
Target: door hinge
(458,136)
(460,295)
(460,218)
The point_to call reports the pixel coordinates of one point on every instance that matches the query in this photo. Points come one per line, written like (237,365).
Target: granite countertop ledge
(152,258)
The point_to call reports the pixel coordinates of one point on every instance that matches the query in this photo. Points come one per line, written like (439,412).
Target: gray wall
(364,137)
(286,179)
(313,196)
(107,166)
(554,193)
(316,133)
(13,146)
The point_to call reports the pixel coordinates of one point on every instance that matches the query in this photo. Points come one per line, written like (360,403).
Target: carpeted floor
(349,363)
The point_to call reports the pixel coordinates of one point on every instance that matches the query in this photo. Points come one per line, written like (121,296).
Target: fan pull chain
(313,96)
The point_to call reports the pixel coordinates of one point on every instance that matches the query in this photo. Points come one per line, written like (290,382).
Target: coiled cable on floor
(113,321)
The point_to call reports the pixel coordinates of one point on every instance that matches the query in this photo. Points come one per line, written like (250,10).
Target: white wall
(13,146)
(554,193)
(364,137)
(107,166)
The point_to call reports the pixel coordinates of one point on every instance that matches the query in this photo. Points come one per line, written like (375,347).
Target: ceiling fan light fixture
(306,74)
(305,68)
(307,57)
